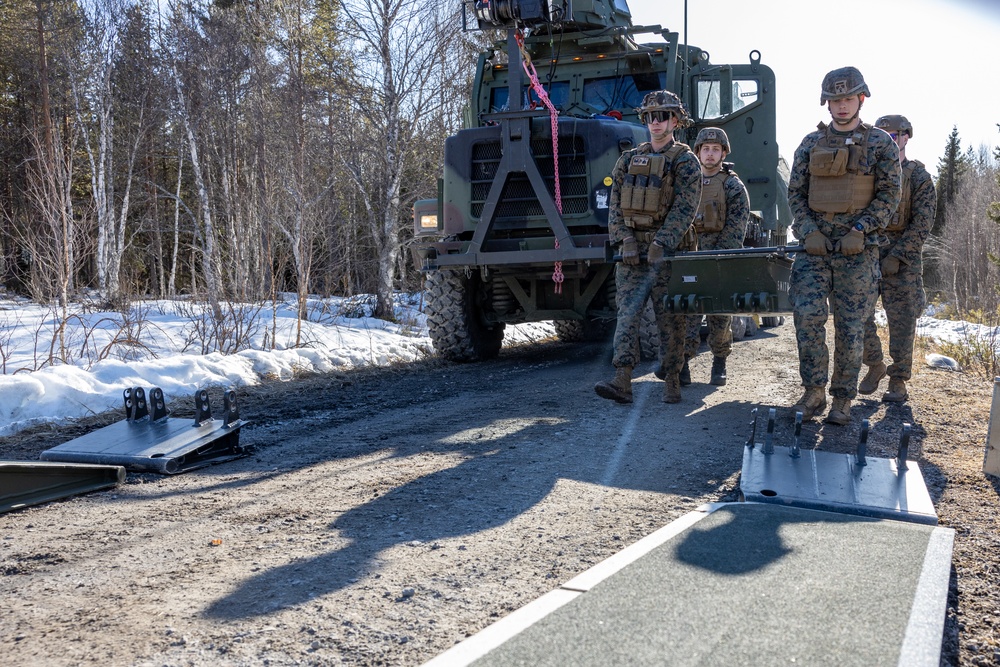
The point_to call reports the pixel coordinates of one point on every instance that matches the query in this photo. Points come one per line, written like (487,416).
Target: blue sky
(936,82)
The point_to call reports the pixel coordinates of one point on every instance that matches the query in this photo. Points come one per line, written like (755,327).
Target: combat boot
(685,377)
(620,388)
(840,413)
(672,389)
(719,371)
(870,382)
(812,403)
(897,391)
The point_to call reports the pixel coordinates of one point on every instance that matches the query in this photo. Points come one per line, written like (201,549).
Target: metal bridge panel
(24,483)
(154,442)
(835,482)
(175,445)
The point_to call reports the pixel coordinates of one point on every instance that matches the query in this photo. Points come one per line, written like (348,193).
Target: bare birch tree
(397,44)
(971,237)
(205,229)
(98,86)
(51,178)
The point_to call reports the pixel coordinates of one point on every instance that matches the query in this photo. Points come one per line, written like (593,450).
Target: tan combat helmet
(664,100)
(711,135)
(843,82)
(895,123)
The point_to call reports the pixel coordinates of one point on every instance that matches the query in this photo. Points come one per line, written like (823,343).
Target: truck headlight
(428,222)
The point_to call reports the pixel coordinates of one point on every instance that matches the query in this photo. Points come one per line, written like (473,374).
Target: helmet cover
(711,135)
(841,83)
(663,100)
(895,123)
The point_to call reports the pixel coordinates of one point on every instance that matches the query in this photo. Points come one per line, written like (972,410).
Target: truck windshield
(558,93)
(618,92)
(745,92)
(600,95)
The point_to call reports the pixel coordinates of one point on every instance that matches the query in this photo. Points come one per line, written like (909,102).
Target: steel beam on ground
(26,483)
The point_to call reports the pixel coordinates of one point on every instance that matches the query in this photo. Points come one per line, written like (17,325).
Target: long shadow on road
(496,474)
(502,473)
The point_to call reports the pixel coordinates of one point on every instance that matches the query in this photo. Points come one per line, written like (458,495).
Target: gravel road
(385,515)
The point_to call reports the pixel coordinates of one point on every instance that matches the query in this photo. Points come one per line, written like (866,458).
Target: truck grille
(518,200)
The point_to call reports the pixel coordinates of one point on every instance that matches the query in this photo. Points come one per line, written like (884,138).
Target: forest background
(232,152)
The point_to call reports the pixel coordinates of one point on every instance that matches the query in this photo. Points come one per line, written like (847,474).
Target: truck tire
(772,321)
(453,318)
(576,331)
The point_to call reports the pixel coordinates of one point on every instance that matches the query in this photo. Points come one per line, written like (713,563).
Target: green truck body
(491,243)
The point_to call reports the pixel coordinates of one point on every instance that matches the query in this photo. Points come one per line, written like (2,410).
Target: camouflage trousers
(849,285)
(635,285)
(904,300)
(720,335)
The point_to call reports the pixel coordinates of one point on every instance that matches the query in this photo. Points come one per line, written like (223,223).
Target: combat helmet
(843,82)
(664,100)
(711,135)
(895,123)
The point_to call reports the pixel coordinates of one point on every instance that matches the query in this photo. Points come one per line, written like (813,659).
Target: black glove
(630,251)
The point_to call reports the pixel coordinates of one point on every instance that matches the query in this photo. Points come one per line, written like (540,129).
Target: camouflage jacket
(737,217)
(908,244)
(881,159)
(687,197)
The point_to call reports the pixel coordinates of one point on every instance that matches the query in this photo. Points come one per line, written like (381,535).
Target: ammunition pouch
(835,184)
(825,161)
(689,242)
(647,191)
(711,216)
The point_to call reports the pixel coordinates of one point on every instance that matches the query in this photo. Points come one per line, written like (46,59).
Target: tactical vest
(647,191)
(711,216)
(901,218)
(835,184)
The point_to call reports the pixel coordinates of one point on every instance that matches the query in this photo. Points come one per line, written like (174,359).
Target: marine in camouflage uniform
(843,189)
(655,192)
(721,224)
(901,262)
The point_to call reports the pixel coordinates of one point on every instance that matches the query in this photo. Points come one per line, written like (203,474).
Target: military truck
(518,232)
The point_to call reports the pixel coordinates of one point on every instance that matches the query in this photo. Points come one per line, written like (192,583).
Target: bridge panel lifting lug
(157,442)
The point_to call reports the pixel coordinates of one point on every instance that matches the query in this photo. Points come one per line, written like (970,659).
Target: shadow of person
(474,496)
(742,543)
(747,537)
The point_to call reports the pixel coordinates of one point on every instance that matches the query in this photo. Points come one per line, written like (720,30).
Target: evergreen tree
(951,168)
